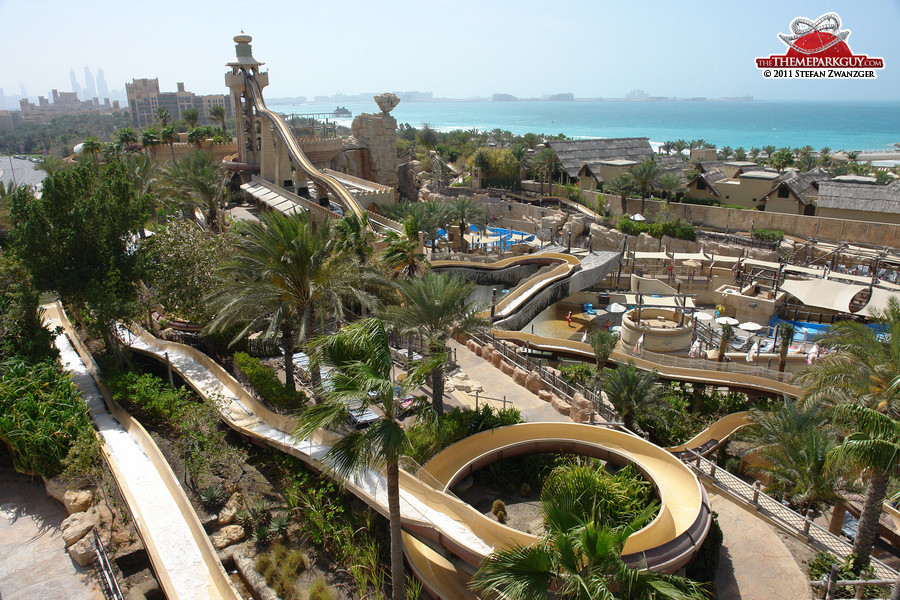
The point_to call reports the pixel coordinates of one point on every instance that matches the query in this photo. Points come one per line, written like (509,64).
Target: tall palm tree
(465,211)
(670,184)
(438,307)
(218,113)
(645,176)
(162,114)
(629,390)
(150,140)
(144,175)
(547,162)
(786,336)
(92,146)
(125,137)
(621,186)
(353,236)
(362,376)
(401,252)
(168,135)
(196,180)
(191,117)
(578,558)
(725,337)
(285,275)
(873,448)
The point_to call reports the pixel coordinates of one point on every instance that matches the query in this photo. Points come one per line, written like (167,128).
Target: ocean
(838,125)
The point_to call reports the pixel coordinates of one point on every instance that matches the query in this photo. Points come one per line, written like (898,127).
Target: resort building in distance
(64,103)
(144,98)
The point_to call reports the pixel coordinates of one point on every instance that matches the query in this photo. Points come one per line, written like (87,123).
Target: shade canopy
(615,307)
(727,321)
(702,316)
(692,263)
(750,326)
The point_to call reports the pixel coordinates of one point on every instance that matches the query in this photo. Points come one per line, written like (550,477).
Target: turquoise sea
(838,125)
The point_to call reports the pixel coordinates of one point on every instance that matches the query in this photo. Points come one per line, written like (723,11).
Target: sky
(459,49)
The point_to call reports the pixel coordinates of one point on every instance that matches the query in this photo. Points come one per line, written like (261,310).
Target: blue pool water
(811,330)
(506,235)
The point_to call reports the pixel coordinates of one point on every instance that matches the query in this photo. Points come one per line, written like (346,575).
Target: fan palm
(150,140)
(645,176)
(92,146)
(621,185)
(466,211)
(285,274)
(362,359)
(437,306)
(401,252)
(629,389)
(196,180)
(217,113)
(786,333)
(168,135)
(578,558)
(191,117)
(873,448)
(162,114)
(670,184)
(725,337)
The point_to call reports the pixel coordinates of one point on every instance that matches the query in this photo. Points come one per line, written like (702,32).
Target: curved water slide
(298,158)
(444,525)
(182,556)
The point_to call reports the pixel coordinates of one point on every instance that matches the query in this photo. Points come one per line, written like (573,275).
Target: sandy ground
(33,558)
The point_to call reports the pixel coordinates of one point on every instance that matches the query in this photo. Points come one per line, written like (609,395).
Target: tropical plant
(217,113)
(873,448)
(782,159)
(646,177)
(363,375)
(629,390)
(725,336)
(191,117)
(603,342)
(168,135)
(162,115)
(622,186)
(150,140)
(547,162)
(125,137)
(436,306)
(786,337)
(401,251)
(285,274)
(578,557)
(196,181)
(670,184)
(466,211)
(51,164)
(353,236)
(92,146)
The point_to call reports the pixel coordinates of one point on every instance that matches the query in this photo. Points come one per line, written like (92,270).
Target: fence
(550,379)
(736,240)
(667,360)
(777,513)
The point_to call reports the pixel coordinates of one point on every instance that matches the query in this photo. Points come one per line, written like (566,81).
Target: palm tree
(465,211)
(786,333)
(769,150)
(353,236)
(621,186)
(92,146)
(629,389)
(603,343)
(162,114)
(150,140)
(547,163)
(438,307)
(781,159)
(825,158)
(218,113)
(196,180)
(144,176)
(873,448)
(725,337)
(126,137)
(191,117)
(168,135)
(725,152)
(740,153)
(285,274)
(645,176)
(361,356)
(578,557)
(670,184)
(754,153)
(401,252)
(794,443)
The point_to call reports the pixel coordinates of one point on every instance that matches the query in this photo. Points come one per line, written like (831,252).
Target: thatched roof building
(859,197)
(574,154)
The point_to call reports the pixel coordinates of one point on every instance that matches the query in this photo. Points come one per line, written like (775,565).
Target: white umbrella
(615,307)
(702,316)
(750,326)
(727,321)
(638,217)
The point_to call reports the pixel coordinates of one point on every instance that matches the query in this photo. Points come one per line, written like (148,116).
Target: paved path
(754,562)
(33,558)
(497,385)
(22,171)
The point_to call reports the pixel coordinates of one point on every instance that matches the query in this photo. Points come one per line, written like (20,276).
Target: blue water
(838,125)
(811,330)
(505,235)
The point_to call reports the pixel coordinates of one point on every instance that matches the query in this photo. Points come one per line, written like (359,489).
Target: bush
(319,590)
(705,563)
(498,506)
(525,490)
(281,568)
(149,396)
(427,439)
(501,516)
(676,228)
(819,568)
(577,374)
(267,384)
(768,235)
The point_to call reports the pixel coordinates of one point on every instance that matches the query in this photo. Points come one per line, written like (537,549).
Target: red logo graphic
(818,49)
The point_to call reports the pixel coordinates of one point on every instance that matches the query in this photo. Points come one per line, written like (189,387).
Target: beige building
(859,201)
(144,98)
(796,193)
(746,189)
(64,103)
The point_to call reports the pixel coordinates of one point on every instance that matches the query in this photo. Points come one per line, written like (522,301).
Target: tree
(167,135)
(740,153)
(786,333)
(51,164)
(361,357)
(285,275)
(162,114)
(578,557)
(437,306)
(754,153)
(92,146)
(125,137)
(191,117)
(725,152)
(725,337)
(466,211)
(769,150)
(217,113)
(629,389)
(353,236)
(670,184)
(825,157)
(21,331)
(150,140)
(645,176)
(782,159)
(873,448)
(547,162)
(401,252)
(622,186)
(196,181)
(603,343)
(427,137)
(76,239)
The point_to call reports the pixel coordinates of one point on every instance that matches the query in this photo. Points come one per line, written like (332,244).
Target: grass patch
(281,567)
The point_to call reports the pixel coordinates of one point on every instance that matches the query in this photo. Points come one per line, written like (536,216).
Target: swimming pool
(507,236)
(805,331)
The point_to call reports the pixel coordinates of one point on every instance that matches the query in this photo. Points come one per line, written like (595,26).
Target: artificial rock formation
(377,133)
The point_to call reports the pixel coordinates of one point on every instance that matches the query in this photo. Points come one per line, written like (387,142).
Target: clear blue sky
(457,49)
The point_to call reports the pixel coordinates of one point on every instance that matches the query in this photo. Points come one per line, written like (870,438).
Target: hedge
(676,228)
(265,381)
(768,235)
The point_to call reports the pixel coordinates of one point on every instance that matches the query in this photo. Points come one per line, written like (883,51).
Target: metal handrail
(107,576)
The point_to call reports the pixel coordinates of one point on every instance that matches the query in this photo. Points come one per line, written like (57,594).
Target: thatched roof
(801,183)
(867,197)
(710,178)
(704,166)
(573,154)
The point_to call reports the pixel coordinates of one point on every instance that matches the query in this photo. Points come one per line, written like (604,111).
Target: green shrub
(819,567)
(768,235)
(149,396)
(676,228)
(577,374)
(429,438)
(319,590)
(705,564)
(267,384)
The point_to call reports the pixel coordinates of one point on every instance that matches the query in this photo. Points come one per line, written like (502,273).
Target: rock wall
(378,135)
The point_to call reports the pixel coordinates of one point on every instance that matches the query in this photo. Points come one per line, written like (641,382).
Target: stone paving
(754,564)
(33,558)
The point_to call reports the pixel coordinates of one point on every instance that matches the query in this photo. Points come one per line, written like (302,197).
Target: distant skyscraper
(90,91)
(102,90)
(22,91)
(2,99)
(75,87)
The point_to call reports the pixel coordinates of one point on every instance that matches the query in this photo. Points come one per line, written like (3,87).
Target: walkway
(34,560)
(754,563)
